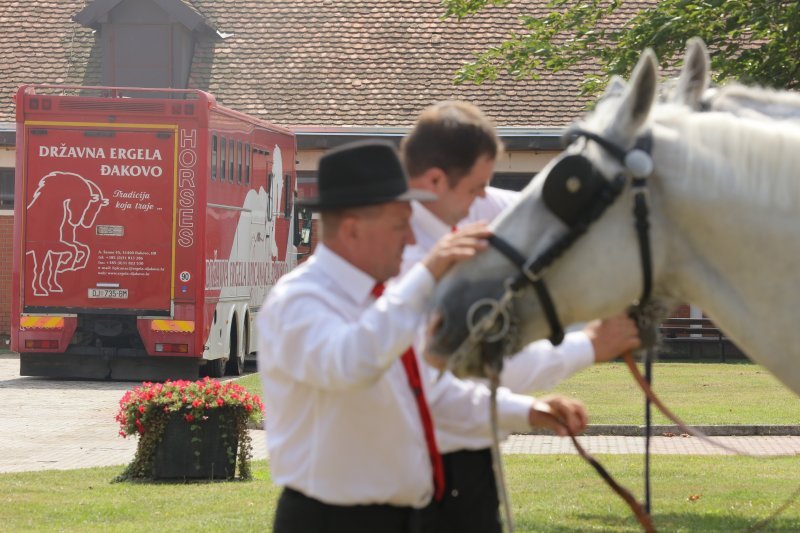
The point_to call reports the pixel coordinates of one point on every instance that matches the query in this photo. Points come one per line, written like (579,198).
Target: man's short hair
(330,219)
(450,135)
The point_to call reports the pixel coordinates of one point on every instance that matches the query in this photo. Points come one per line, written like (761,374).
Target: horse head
(560,253)
(94,203)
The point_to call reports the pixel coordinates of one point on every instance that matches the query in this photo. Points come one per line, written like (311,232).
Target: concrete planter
(208,452)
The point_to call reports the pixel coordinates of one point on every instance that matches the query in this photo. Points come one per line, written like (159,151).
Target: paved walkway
(758,445)
(58,424)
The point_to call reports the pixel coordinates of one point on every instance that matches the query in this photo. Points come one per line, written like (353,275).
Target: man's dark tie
(415,382)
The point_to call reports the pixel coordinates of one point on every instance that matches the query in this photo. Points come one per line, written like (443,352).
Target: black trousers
(470,503)
(297,513)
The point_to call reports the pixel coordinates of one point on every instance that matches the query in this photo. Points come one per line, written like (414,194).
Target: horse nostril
(434,353)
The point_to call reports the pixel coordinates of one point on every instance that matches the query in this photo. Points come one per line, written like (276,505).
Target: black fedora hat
(361,174)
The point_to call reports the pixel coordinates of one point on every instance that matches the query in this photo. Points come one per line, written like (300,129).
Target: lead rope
(648,423)
(507,524)
(493,374)
(644,518)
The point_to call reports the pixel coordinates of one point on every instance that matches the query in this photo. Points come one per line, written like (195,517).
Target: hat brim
(409,195)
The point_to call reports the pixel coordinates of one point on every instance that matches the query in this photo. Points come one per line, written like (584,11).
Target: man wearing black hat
(348,428)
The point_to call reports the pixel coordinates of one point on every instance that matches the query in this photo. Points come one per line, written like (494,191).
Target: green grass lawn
(700,393)
(252,382)
(550,493)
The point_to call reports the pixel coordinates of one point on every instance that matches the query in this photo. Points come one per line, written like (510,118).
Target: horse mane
(753,102)
(757,158)
(77,188)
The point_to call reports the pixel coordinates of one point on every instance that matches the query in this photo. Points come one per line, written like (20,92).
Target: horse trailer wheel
(235,365)
(215,368)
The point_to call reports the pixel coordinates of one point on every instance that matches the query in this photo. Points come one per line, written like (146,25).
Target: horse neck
(735,259)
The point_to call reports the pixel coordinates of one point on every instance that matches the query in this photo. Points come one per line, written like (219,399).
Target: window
(231,150)
(6,188)
(288,194)
(513,181)
(247,164)
(269,192)
(239,162)
(223,158)
(214,157)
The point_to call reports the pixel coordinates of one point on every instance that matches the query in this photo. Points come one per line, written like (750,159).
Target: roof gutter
(321,138)
(514,138)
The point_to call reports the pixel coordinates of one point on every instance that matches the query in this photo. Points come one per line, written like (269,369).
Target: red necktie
(415,382)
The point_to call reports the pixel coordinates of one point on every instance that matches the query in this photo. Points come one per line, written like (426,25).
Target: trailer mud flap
(81,366)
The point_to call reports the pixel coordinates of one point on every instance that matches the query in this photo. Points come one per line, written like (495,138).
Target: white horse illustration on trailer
(62,203)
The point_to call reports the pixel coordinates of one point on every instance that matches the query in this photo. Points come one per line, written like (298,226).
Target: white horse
(724,200)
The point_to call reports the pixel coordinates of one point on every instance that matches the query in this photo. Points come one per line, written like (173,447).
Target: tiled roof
(181,11)
(41,44)
(311,62)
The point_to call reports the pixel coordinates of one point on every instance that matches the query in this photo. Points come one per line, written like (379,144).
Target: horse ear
(694,78)
(616,86)
(639,96)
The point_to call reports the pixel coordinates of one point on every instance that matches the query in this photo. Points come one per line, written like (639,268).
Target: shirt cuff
(415,288)
(513,411)
(577,352)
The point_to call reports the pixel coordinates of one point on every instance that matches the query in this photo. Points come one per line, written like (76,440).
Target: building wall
(7,155)
(6,230)
(510,161)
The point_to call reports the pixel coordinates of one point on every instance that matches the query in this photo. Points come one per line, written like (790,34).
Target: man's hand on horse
(455,247)
(612,337)
(558,413)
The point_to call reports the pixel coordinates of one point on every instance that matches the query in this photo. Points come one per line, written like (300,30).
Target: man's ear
(349,229)
(434,180)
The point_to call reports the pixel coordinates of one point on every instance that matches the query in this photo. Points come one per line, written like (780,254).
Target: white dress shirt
(488,207)
(342,423)
(539,366)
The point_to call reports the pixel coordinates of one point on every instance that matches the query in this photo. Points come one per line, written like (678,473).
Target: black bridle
(579,195)
(638,166)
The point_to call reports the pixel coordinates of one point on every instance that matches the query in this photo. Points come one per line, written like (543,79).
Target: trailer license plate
(115,294)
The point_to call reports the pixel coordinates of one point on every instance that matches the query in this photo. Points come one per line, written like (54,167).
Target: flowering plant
(145,411)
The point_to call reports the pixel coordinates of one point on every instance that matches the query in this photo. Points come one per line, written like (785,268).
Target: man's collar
(428,222)
(353,281)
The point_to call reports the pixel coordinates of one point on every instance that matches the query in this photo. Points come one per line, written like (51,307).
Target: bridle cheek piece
(578,194)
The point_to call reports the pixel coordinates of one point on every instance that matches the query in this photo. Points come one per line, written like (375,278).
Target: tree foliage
(752,41)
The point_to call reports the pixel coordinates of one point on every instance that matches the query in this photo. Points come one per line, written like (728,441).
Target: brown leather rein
(648,391)
(645,520)
(638,510)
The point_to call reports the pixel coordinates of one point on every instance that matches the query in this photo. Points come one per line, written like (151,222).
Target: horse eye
(573,184)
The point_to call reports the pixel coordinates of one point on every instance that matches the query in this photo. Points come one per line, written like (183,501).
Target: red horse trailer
(149,226)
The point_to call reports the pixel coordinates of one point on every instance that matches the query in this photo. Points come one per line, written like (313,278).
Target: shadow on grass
(186,481)
(674,522)
(739,361)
